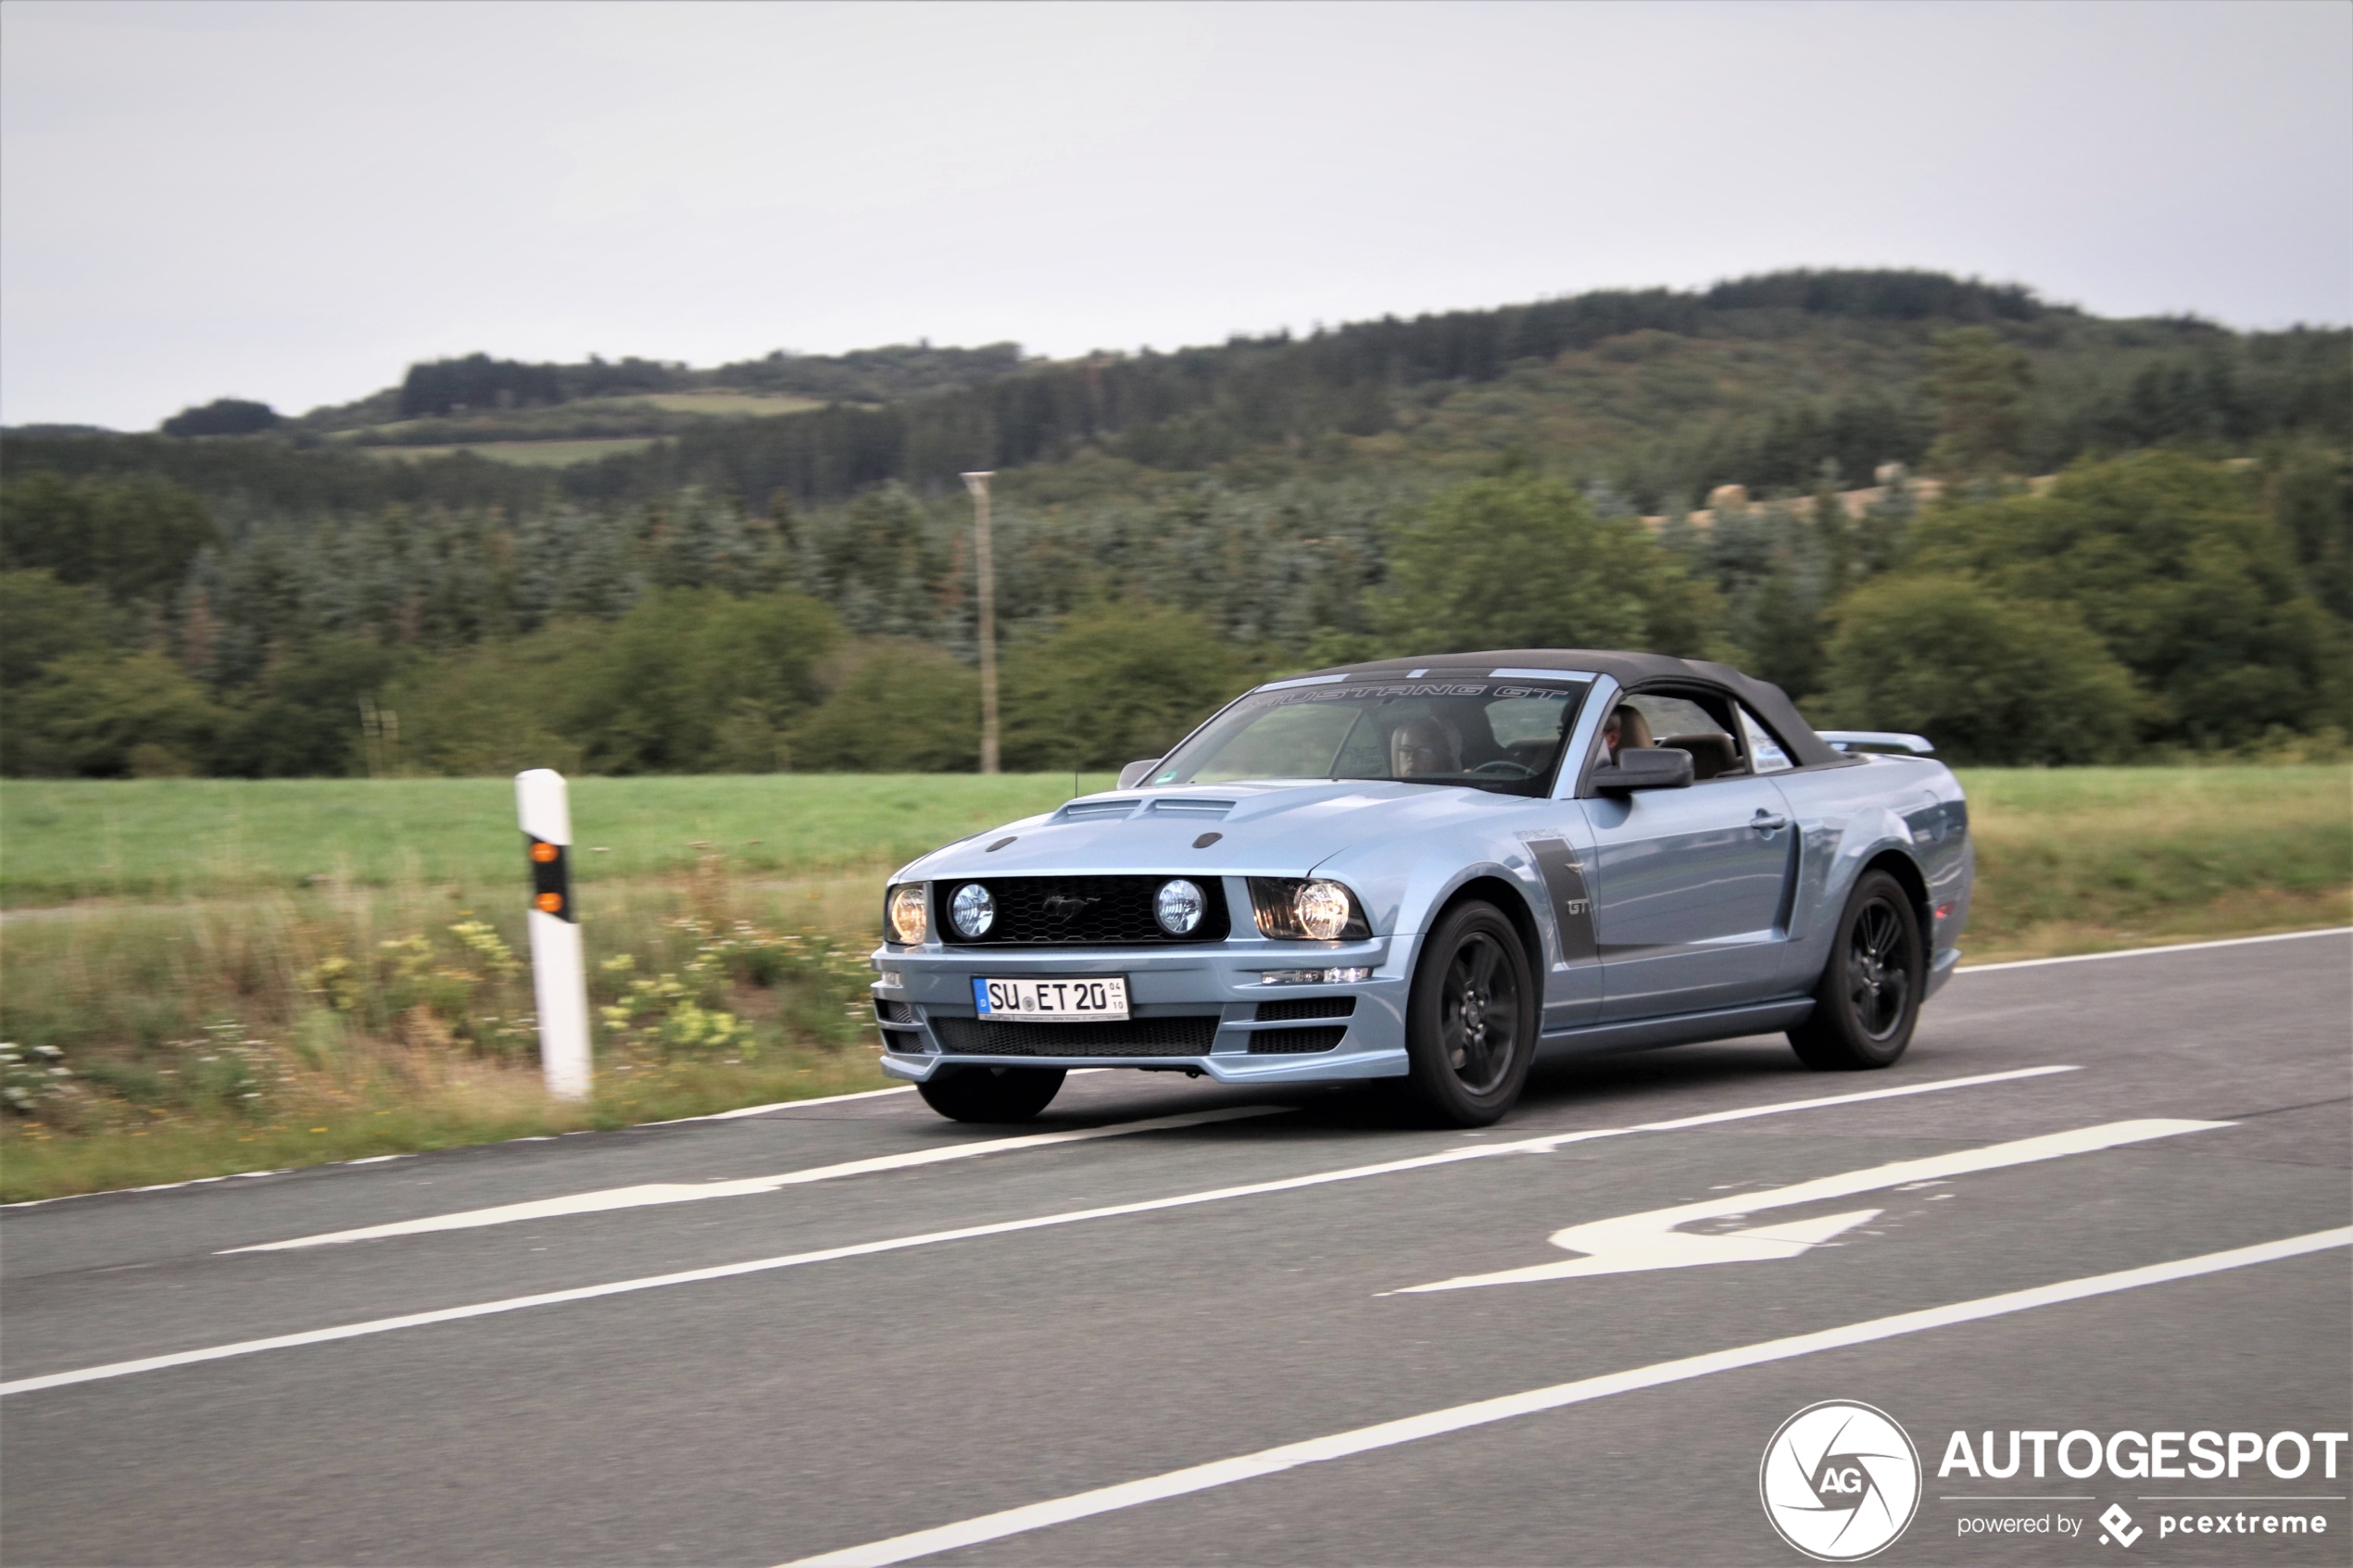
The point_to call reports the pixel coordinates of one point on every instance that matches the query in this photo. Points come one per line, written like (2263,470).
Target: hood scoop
(1094,810)
(1182,806)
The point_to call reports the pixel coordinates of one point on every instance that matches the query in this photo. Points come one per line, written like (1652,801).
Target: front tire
(1868,998)
(1470,1025)
(990,1094)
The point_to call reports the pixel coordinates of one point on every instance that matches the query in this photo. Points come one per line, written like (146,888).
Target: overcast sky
(292,202)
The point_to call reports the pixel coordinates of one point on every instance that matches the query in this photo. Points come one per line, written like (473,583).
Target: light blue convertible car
(1441,870)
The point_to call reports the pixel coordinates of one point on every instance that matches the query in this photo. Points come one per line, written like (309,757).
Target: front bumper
(1217,988)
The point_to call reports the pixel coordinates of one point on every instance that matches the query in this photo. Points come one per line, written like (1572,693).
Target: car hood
(1267,829)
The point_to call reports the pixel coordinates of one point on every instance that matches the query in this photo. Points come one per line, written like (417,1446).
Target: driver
(1422,748)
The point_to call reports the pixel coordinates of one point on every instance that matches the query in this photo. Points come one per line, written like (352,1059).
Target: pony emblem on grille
(1062,907)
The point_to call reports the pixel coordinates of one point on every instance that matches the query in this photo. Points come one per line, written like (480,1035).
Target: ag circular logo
(1840,1481)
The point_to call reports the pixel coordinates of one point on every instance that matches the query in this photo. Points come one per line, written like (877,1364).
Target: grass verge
(2087,859)
(150,1044)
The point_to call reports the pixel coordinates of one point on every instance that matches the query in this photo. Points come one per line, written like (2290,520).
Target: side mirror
(1645,767)
(1137,772)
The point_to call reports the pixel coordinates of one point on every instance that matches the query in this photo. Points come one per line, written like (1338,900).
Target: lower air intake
(1305,1007)
(1293,1042)
(1134,1037)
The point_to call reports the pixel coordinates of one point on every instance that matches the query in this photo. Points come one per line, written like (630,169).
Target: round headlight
(972,911)
(1323,909)
(1178,907)
(909,919)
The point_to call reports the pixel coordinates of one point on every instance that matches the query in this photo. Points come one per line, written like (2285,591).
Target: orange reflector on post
(550,903)
(542,852)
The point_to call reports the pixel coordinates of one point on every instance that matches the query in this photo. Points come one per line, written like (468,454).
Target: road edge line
(2161,947)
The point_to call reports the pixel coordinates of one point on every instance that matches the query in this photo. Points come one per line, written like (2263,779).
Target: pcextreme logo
(1840,1481)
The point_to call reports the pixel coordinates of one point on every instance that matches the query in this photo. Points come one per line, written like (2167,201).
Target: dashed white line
(969,1233)
(1389,1434)
(649,1194)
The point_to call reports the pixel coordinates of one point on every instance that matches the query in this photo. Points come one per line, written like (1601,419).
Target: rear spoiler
(1876,740)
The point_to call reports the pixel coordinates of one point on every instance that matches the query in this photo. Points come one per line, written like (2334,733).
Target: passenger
(1421,748)
(1625,727)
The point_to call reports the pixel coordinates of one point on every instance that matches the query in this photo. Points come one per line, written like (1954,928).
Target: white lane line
(779,1105)
(968,1233)
(1389,1434)
(2144,952)
(1633,1243)
(647,1194)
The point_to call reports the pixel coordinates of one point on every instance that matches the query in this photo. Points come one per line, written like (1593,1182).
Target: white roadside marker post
(558,973)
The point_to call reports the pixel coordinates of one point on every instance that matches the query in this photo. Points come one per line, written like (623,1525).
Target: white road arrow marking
(1632,1243)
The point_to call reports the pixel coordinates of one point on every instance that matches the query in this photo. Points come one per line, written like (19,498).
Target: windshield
(1502,737)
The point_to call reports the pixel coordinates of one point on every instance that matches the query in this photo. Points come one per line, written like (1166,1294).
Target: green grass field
(530,454)
(719,402)
(156,839)
(2135,850)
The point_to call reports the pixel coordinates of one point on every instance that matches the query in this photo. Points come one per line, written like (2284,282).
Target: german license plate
(1069,1001)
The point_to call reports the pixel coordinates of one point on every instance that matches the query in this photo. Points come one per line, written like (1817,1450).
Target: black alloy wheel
(1470,1025)
(969,1093)
(1868,998)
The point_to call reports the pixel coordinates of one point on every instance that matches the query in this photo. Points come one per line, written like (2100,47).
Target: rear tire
(1470,1025)
(1868,998)
(990,1094)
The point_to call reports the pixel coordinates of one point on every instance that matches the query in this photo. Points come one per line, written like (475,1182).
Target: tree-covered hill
(235,603)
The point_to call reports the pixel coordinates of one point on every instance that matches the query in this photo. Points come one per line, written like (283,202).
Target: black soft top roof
(1767,700)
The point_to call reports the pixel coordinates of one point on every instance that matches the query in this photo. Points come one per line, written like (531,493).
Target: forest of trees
(795,591)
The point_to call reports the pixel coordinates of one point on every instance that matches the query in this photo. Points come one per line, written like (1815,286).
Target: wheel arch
(1489,888)
(1907,874)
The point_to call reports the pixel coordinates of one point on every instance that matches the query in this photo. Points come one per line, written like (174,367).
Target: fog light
(1323,909)
(893,981)
(908,920)
(972,911)
(1314,976)
(1178,907)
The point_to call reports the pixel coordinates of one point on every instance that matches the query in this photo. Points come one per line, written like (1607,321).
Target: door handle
(1765,822)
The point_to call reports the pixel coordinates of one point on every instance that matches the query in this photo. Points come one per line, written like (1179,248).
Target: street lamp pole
(978,484)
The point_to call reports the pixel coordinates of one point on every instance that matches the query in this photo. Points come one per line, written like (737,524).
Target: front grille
(1086,911)
(1293,1042)
(906,1042)
(1134,1037)
(1307,1007)
(894,1013)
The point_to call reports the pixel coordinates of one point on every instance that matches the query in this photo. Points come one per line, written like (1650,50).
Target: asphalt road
(1012,1347)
